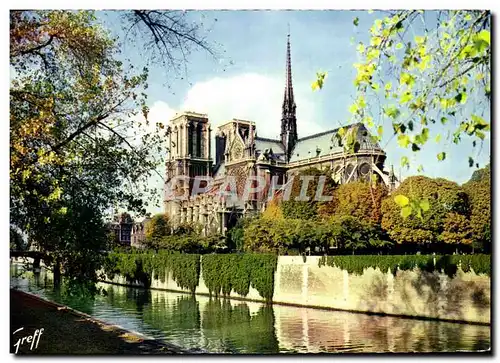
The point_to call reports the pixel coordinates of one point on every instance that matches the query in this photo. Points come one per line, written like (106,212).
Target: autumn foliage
(363,216)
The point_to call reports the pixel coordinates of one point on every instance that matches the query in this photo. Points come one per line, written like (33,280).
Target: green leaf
(441,156)
(373,53)
(407,79)
(406,97)
(403,140)
(424,205)
(399,45)
(420,168)
(56,194)
(405,162)
(360,48)
(438,138)
(401,200)
(424,136)
(368,121)
(388,86)
(392,112)
(356,21)
(419,39)
(406,211)
(320,78)
(353,108)
(485,36)
(480,122)
(380,130)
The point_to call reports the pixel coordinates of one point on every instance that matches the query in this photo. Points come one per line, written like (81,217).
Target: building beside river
(126,231)
(241,153)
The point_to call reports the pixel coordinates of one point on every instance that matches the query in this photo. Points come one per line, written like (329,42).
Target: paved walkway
(68,332)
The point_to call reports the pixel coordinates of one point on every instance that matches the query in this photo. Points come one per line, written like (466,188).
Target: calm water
(229,326)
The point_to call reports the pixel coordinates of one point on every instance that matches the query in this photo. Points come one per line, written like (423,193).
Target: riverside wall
(465,297)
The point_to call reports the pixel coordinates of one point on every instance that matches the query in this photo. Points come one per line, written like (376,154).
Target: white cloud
(159,112)
(252,97)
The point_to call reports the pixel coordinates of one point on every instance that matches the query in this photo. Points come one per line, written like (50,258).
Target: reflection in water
(236,330)
(229,326)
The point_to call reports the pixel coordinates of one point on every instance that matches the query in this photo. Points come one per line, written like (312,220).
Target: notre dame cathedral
(240,153)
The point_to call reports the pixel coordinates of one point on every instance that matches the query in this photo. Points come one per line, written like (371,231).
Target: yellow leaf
(401,200)
(406,211)
(419,39)
(353,108)
(484,35)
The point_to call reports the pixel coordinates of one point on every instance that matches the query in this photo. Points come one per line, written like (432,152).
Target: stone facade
(138,233)
(241,153)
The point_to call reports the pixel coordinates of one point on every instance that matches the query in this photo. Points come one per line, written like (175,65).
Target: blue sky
(247,80)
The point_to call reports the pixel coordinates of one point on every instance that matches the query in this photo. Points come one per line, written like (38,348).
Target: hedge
(449,264)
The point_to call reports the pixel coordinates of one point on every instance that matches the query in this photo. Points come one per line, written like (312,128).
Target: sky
(246,80)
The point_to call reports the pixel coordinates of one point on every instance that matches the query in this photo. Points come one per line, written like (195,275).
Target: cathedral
(240,153)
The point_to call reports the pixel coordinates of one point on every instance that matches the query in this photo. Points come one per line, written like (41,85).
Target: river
(203,324)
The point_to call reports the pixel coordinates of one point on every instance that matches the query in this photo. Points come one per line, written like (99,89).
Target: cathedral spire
(288,119)
(288,101)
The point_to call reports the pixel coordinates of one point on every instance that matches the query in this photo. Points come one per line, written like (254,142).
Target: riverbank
(67,331)
(359,285)
(227,326)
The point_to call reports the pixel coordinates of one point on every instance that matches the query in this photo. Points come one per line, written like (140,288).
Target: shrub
(444,197)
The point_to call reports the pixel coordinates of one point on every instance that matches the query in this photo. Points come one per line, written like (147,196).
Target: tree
(157,228)
(16,240)
(437,68)
(483,174)
(168,36)
(265,236)
(448,200)
(298,209)
(273,210)
(456,229)
(358,199)
(421,69)
(70,102)
(235,235)
(73,108)
(478,190)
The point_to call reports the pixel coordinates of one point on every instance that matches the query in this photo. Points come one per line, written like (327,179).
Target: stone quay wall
(465,297)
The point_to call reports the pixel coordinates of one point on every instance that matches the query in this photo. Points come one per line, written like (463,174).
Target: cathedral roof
(262,144)
(325,143)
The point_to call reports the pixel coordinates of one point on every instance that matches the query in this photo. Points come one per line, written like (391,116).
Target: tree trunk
(36,265)
(57,274)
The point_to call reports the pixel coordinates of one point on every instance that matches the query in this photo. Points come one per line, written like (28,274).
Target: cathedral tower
(188,138)
(288,118)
